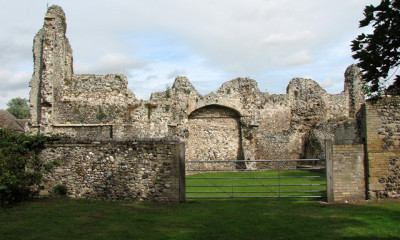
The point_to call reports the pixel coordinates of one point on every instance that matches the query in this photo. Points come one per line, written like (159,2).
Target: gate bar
(248,170)
(235,161)
(310,191)
(256,197)
(273,185)
(258,177)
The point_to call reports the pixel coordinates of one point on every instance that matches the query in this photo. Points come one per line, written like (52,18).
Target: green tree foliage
(378,53)
(19,165)
(19,108)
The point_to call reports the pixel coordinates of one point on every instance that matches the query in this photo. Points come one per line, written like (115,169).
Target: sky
(208,41)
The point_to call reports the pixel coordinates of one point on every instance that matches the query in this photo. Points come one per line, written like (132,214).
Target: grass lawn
(62,218)
(283,183)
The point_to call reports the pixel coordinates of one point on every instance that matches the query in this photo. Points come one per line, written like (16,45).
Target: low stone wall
(348,173)
(140,170)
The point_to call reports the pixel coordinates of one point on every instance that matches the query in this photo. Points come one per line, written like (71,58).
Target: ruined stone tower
(52,56)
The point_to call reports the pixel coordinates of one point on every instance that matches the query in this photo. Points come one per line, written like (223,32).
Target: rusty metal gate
(289,178)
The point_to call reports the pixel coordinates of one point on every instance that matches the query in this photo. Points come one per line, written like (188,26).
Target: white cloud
(329,82)
(20,80)
(284,39)
(110,63)
(298,58)
(14,82)
(5,75)
(175,73)
(210,41)
(334,85)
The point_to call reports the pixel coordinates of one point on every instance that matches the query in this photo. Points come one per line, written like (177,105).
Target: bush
(19,165)
(60,190)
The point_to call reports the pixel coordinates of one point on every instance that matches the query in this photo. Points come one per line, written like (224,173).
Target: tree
(378,53)
(19,108)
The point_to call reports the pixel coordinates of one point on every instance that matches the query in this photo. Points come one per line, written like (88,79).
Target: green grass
(62,218)
(256,184)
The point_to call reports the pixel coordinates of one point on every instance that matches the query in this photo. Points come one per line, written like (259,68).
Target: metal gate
(290,178)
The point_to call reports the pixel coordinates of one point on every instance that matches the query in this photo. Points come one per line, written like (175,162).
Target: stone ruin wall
(366,154)
(256,125)
(382,142)
(124,170)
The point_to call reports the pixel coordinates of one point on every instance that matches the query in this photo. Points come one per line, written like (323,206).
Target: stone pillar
(329,171)
(182,173)
(52,66)
(353,88)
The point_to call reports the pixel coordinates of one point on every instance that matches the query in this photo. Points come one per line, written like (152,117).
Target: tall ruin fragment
(237,122)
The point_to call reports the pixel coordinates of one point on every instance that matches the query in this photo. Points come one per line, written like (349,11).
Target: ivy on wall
(20,166)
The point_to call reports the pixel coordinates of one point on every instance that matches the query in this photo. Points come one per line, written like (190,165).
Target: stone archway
(214,134)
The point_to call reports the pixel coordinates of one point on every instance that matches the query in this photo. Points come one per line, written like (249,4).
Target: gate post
(329,170)
(182,173)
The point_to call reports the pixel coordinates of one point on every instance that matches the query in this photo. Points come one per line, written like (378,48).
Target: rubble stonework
(382,137)
(131,170)
(52,55)
(238,121)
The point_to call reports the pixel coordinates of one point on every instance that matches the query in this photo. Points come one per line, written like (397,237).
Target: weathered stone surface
(214,134)
(242,121)
(52,55)
(371,170)
(382,136)
(353,87)
(130,170)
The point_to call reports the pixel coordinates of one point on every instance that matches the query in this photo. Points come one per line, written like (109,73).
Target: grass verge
(62,218)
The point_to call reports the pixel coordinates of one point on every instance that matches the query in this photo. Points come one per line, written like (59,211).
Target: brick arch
(214,134)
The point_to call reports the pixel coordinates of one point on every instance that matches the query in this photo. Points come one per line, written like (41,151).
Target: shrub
(19,165)
(47,167)
(60,190)
(100,115)
(168,92)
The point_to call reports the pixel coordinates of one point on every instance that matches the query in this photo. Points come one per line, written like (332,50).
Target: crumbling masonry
(237,122)
(125,141)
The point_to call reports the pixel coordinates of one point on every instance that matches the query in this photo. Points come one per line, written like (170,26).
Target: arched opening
(214,134)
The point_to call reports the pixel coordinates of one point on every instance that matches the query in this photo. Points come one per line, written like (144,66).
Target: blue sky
(210,42)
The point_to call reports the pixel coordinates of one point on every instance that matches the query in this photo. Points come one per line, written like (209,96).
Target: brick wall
(348,173)
(380,134)
(130,170)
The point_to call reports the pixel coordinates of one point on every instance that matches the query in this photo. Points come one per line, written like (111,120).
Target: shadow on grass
(205,219)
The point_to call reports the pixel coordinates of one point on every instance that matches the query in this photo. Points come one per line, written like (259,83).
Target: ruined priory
(236,122)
